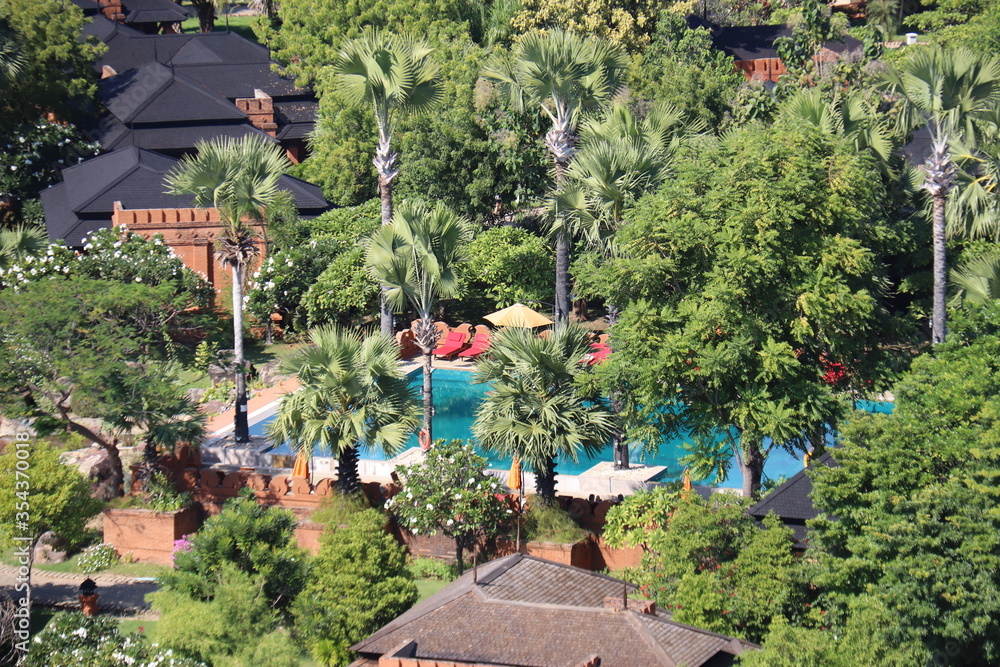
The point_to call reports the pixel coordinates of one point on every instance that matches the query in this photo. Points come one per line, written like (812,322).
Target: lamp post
(88,597)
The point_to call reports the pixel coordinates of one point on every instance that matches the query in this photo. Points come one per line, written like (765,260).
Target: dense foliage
(360,582)
(47,495)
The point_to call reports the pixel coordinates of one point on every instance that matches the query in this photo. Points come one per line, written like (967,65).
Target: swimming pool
(456,400)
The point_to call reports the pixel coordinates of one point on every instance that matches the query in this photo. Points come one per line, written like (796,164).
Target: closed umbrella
(301,468)
(514,477)
(518,315)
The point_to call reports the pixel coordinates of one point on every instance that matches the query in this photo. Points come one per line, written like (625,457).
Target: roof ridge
(643,631)
(109,184)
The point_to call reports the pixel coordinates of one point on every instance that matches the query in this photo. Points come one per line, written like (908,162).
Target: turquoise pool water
(456,400)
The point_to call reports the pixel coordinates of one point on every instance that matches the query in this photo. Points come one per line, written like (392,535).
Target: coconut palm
(944,91)
(414,259)
(565,75)
(534,409)
(239,177)
(393,74)
(978,280)
(354,395)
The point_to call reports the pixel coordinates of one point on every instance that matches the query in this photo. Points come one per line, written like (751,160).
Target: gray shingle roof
(791,503)
(173,138)
(84,201)
(529,612)
(129,48)
(234,80)
(155,11)
(154,93)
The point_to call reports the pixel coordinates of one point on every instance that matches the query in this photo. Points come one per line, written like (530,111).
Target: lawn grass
(238,24)
(72,566)
(128,626)
(428,587)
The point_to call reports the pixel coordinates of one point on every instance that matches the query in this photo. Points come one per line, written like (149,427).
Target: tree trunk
(428,394)
(347,470)
(562,278)
(752,467)
(458,556)
(938,322)
(385,193)
(545,480)
(206,14)
(117,470)
(241,428)
(561,146)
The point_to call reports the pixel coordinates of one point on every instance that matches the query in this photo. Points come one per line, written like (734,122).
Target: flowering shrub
(32,154)
(284,277)
(451,492)
(114,254)
(98,557)
(180,546)
(74,639)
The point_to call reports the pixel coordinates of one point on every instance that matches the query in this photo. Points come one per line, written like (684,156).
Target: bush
(98,557)
(337,510)
(360,582)
(256,540)
(75,639)
(430,568)
(543,522)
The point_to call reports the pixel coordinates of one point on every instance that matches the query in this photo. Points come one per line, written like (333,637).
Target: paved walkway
(261,399)
(119,594)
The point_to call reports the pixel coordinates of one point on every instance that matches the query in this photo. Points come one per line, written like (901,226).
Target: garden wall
(149,536)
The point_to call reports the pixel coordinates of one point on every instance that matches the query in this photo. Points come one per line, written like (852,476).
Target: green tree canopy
(88,348)
(745,277)
(909,514)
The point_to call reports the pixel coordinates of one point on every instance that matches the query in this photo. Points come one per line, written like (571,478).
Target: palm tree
(239,177)
(415,259)
(943,90)
(354,394)
(978,280)
(620,158)
(393,74)
(848,114)
(535,409)
(564,75)
(20,242)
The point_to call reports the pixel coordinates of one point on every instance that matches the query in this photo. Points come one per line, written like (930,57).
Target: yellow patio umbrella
(301,468)
(687,480)
(518,315)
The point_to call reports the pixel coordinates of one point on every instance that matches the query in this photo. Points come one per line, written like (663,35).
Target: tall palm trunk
(348,478)
(545,480)
(940,172)
(241,428)
(427,339)
(561,144)
(385,165)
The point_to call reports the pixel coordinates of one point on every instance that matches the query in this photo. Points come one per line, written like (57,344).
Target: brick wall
(149,536)
(260,111)
(190,232)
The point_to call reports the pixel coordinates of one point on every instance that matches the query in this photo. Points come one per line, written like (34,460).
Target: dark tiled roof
(104,30)
(84,201)
(89,7)
(241,79)
(297,119)
(791,503)
(754,42)
(529,612)
(173,137)
(153,93)
(155,11)
(129,48)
